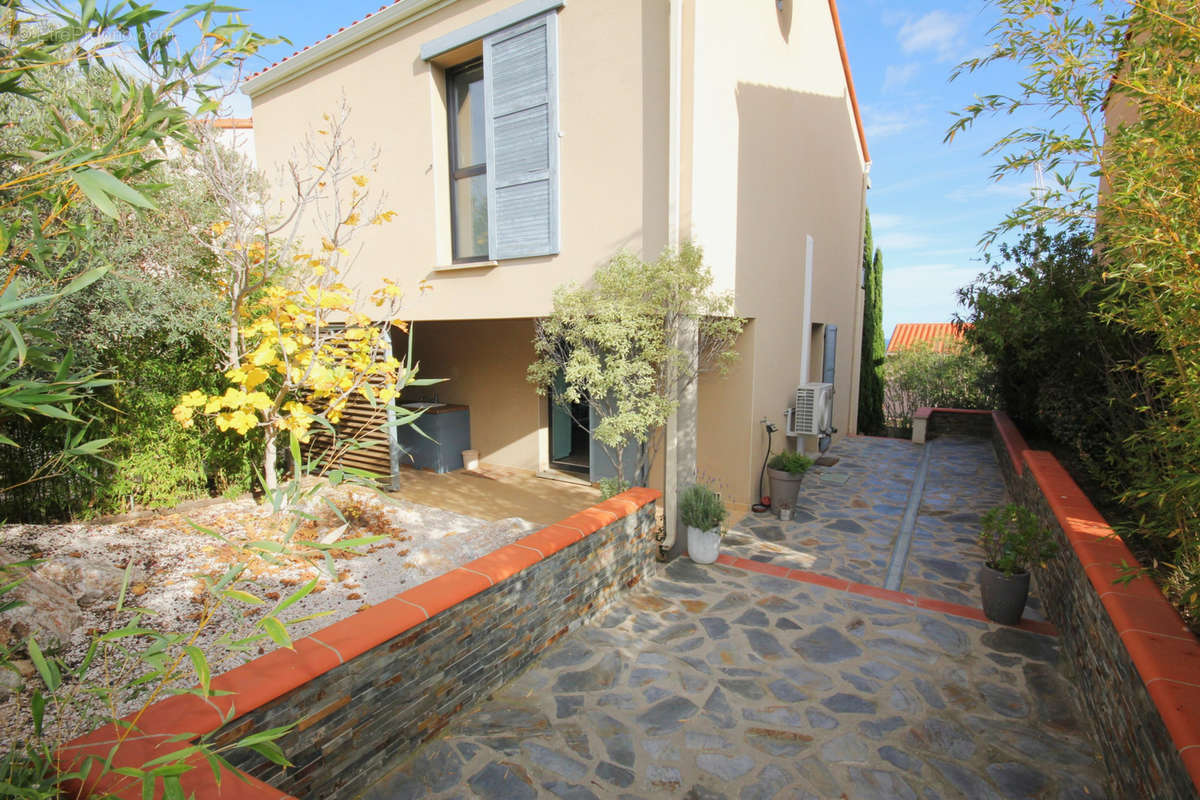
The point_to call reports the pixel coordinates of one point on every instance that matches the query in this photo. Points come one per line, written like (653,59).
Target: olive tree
(614,344)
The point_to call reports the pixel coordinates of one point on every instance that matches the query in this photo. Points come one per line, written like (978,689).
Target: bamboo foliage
(1118,94)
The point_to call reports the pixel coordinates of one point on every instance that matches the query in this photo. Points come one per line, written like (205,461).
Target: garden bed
(168,552)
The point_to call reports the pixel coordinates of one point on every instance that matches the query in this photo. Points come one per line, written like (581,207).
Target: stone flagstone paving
(963,482)
(844,529)
(718,682)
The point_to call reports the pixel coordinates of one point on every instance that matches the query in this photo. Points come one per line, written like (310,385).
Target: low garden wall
(1137,664)
(375,685)
(957,421)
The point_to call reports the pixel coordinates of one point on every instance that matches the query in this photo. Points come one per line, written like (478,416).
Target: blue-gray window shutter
(521,106)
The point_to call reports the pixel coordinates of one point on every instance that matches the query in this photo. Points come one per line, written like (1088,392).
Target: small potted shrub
(786,471)
(702,511)
(1013,540)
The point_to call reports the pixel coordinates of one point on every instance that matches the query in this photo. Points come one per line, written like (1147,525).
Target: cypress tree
(870,383)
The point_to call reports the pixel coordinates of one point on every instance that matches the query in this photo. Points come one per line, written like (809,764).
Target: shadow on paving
(846,517)
(713,682)
(849,529)
(964,482)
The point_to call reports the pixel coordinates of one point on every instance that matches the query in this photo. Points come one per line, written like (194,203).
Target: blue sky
(930,202)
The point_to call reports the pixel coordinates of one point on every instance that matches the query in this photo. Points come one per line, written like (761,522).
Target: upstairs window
(503,132)
(468,163)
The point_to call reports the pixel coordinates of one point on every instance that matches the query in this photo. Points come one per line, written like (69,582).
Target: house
(939,336)
(524,143)
(237,133)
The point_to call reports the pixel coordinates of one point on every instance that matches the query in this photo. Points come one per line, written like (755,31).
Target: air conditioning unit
(812,413)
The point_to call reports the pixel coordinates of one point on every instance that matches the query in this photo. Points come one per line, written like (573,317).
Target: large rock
(48,612)
(88,582)
(14,675)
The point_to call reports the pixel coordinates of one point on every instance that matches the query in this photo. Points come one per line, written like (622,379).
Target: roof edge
(841,41)
(357,34)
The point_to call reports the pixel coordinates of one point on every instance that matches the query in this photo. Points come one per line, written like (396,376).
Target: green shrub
(920,376)
(151,461)
(611,487)
(701,507)
(791,462)
(1073,63)
(1014,539)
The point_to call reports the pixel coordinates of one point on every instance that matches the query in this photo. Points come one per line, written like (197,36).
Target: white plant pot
(703,546)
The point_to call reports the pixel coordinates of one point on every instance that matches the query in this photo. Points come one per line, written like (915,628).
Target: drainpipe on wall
(806,327)
(680,450)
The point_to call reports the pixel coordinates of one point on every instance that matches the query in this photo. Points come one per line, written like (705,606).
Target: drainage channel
(895,572)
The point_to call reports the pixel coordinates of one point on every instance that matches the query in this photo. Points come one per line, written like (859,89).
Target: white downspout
(806,327)
(806,312)
(674,121)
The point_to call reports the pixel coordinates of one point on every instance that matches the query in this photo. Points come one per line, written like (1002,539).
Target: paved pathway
(721,681)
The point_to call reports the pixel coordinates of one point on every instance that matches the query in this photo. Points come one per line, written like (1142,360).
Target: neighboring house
(237,133)
(523,144)
(939,336)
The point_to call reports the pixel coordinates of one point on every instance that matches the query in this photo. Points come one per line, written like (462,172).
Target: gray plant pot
(785,487)
(1003,595)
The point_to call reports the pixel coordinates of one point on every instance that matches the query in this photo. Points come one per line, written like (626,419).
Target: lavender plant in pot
(702,511)
(1013,540)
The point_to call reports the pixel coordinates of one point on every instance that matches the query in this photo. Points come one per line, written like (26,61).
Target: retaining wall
(1137,663)
(371,687)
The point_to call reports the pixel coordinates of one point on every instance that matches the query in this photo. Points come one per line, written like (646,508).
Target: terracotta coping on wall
(1163,649)
(278,672)
(1014,442)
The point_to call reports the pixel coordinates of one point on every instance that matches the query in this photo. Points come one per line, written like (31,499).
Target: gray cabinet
(449,428)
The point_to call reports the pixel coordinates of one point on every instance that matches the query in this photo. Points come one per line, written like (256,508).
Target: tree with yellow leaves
(299,346)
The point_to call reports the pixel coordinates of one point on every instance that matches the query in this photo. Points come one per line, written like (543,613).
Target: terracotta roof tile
(937,334)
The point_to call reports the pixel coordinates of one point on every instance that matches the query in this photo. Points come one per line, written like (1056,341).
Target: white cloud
(881,123)
(938,32)
(991,189)
(884,221)
(899,240)
(897,76)
(952,252)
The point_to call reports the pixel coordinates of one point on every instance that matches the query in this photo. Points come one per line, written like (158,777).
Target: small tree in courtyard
(299,349)
(614,342)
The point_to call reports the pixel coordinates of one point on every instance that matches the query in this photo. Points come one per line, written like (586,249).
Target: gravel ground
(169,557)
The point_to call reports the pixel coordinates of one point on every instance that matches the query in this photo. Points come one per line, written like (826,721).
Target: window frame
(457,172)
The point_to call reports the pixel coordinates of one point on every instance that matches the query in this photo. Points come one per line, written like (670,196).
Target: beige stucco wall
(776,158)
(769,154)
(612,117)
(484,363)
(727,427)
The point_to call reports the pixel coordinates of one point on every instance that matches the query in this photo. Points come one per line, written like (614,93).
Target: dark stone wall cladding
(1139,753)
(387,701)
(949,423)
